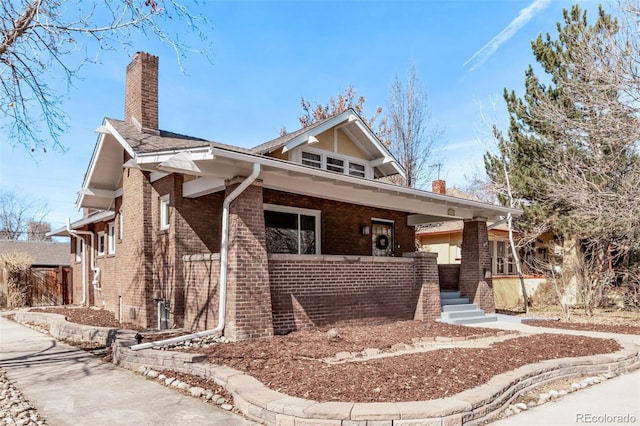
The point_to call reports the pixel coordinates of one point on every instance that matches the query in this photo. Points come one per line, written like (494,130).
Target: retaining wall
(62,329)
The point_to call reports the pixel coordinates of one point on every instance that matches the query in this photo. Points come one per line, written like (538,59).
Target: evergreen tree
(571,147)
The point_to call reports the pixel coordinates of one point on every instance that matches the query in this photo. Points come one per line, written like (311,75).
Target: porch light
(364,229)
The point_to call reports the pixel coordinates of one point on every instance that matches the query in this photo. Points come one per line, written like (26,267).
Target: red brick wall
(321,290)
(135,252)
(427,281)
(248,298)
(340,226)
(201,274)
(449,277)
(141,91)
(476,259)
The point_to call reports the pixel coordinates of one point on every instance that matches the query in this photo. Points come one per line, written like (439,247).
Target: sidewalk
(616,401)
(68,386)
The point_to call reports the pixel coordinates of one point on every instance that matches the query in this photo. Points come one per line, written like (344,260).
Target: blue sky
(266,55)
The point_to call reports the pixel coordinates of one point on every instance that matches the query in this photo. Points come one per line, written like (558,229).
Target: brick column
(248,308)
(476,261)
(427,285)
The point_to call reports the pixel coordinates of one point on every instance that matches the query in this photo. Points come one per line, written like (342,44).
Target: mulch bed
(295,365)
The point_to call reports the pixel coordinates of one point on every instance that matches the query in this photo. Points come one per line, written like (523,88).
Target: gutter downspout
(96,271)
(224,254)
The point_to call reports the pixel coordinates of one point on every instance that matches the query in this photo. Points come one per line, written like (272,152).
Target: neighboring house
(295,232)
(48,275)
(445,238)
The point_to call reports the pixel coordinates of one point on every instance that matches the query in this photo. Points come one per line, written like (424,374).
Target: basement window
(292,230)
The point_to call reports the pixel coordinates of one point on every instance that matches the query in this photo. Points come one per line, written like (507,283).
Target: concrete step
(451,301)
(446,316)
(459,307)
(449,295)
(473,320)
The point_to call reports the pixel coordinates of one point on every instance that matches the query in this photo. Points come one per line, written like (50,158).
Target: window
(164,212)
(121,226)
(502,258)
(335,165)
(101,243)
(79,248)
(356,169)
(311,159)
(291,230)
(111,230)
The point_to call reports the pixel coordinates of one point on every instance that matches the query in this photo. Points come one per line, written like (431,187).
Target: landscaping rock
(196,391)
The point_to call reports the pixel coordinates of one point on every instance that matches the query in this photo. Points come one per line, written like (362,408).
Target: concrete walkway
(614,402)
(69,386)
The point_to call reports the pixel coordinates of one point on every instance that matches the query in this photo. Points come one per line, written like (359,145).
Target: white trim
(154,176)
(375,219)
(165,212)
(317,214)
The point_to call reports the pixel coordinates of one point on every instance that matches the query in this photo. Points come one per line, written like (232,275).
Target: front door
(382,238)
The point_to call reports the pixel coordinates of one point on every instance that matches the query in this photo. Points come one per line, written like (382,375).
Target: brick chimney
(439,186)
(141,92)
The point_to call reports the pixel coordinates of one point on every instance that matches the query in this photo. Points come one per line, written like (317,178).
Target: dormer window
(333,163)
(356,169)
(311,159)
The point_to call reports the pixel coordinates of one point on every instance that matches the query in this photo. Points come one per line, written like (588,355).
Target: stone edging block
(60,328)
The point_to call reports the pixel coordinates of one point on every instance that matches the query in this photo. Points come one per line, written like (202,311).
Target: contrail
(521,20)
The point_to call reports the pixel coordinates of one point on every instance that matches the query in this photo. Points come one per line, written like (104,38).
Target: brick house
(295,232)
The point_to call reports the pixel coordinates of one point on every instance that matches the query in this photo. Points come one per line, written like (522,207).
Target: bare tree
(492,140)
(16,213)
(313,112)
(39,38)
(414,140)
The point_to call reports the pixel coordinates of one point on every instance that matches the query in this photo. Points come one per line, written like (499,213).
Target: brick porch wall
(476,260)
(311,291)
(449,277)
(248,310)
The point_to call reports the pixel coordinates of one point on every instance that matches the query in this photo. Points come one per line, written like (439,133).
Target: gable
(345,134)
